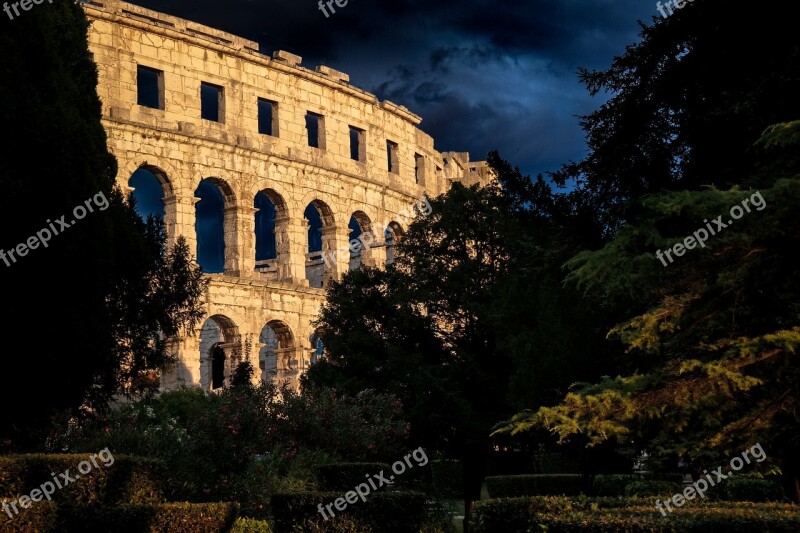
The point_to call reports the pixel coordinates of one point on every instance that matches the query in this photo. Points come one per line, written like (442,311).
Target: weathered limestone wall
(182,149)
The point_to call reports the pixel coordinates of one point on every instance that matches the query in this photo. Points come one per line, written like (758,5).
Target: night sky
(483,74)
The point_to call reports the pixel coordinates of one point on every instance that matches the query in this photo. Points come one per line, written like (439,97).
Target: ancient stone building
(264,166)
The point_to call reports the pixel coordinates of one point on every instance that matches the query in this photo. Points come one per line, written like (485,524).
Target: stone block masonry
(270,127)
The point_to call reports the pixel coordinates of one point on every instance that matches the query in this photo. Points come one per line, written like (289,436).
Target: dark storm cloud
(483,74)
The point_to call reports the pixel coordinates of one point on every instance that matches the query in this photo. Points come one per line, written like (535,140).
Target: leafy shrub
(652,487)
(559,514)
(127,480)
(615,484)
(163,518)
(382,512)
(534,485)
(250,525)
(239,445)
(748,489)
(367,427)
(41,516)
(612,484)
(437,519)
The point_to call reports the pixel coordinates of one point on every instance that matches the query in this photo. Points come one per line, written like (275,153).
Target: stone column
(240,244)
(291,236)
(336,240)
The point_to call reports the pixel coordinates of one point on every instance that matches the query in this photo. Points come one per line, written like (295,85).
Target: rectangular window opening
(358,149)
(212,102)
(150,87)
(267,117)
(391,153)
(315,127)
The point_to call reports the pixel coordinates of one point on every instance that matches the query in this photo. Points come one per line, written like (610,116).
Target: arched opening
(361,240)
(217,368)
(392,235)
(277,358)
(148,193)
(272,234)
(220,351)
(321,257)
(213,223)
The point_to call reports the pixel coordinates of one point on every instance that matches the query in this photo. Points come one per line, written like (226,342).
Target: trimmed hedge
(163,518)
(383,512)
(563,514)
(129,480)
(699,520)
(345,476)
(251,525)
(47,517)
(615,484)
(41,516)
(747,489)
(535,485)
(652,488)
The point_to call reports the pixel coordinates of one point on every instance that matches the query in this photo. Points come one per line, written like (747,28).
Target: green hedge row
(535,484)
(382,512)
(563,514)
(748,489)
(734,489)
(345,476)
(40,516)
(128,480)
(46,517)
(615,484)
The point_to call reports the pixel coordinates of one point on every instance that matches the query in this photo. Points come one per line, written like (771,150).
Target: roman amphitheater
(263,165)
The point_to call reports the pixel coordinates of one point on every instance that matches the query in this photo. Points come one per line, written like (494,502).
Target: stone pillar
(291,236)
(185,217)
(289,360)
(170,219)
(240,243)
(231,220)
(336,240)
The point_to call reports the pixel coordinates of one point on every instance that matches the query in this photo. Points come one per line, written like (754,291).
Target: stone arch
(361,238)
(215,225)
(321,251)
(277,357)
(392,234)
(219,338)
(166,198)
(272,244)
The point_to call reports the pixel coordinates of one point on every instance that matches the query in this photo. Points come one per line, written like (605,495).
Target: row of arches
(277,353)
(214,227)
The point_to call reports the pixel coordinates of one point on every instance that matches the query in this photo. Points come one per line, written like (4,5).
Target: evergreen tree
(85,313)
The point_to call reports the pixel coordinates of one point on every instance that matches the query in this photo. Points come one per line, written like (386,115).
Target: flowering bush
(247,442)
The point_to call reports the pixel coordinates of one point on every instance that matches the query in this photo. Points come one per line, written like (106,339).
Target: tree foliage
(87,313)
